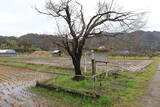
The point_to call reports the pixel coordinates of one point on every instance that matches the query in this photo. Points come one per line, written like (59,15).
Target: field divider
(72,91)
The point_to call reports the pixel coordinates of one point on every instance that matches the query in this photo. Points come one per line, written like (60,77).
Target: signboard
(99,56)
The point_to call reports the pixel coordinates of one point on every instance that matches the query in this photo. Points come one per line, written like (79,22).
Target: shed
(56,53)
(7,51)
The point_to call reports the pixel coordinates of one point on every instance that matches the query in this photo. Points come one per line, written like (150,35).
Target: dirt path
(152,92)
(13,84)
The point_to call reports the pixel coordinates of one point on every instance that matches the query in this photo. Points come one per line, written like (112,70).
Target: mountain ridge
(138,40)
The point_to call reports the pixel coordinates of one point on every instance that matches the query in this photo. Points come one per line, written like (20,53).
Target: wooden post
(106,70)
(93,67)
(93,63)
(85,64)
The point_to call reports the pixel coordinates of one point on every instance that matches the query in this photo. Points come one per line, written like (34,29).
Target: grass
(88,57)
(66,81)
(42,57)
(130,57)
(39,67)
(76,100)
(126,57)
(119,91)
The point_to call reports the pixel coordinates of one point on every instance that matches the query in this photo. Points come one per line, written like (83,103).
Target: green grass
(39,67)
(66,81)
(120,91)
(126,57)
(131,57)
(42,57)
(88,57)
(76,100)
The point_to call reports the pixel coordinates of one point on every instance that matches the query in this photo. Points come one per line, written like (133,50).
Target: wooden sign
(99,56)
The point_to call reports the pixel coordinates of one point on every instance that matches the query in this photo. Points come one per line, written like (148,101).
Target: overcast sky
(17,17)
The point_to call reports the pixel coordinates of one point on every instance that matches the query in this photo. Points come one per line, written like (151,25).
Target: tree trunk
(77,67)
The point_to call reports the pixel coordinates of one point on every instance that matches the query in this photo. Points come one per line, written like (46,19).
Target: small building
(7,51)
(56,53)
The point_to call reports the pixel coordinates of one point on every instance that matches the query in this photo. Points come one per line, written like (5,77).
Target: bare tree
(77,29)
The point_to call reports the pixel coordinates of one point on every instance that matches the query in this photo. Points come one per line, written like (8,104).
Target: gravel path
(152,92)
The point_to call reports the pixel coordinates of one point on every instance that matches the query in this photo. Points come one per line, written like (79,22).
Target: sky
(18,17)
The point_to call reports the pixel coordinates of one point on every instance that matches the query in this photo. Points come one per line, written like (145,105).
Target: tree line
(18,45)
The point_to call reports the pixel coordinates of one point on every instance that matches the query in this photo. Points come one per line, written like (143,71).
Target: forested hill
(16,44)
(136,41)
(44,41)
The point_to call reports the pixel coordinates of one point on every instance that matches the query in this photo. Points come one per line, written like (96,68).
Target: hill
(134,41)
(16,44)
(43,41)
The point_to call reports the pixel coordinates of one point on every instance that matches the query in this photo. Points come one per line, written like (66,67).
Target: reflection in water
(13,85)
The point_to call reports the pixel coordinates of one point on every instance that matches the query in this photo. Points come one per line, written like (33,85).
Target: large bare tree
(74,27)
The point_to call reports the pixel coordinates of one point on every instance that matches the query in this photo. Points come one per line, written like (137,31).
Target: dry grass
(41,53)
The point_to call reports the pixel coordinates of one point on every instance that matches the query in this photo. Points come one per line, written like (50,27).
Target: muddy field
(13,88)
(124,65)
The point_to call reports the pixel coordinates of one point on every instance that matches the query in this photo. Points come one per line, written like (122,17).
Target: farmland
(18,73)
(14,82)
(114,64)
